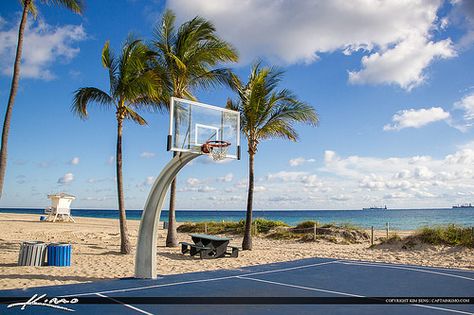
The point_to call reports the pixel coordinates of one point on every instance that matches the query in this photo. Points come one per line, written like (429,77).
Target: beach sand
(96,252)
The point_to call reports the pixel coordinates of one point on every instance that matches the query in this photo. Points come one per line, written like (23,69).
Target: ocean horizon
(398,219)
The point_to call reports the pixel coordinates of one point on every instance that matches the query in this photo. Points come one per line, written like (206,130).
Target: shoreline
(194,216)
(96,256)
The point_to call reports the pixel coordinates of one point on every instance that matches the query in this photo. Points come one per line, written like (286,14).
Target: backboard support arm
(145,259)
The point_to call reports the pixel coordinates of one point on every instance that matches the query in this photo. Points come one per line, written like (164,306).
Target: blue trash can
(42,218)
(59,254)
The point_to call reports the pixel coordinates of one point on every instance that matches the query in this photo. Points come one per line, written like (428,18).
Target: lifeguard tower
(60,208)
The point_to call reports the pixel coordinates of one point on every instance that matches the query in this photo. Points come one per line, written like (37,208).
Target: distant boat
(375,208)
(463,206)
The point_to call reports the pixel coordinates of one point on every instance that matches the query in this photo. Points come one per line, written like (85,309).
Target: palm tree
(189,57)
(266,113)
(28,7)
(133,85)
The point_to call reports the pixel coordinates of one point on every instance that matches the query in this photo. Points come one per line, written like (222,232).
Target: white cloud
(300,161)
(461,116)
(147,155)
(463,113)
(397,195)
(416,118)
(463,14)
(149,180)
(193,181)
(226,178)
(286,176)
(423,172)
(241,184)
(462,157)
(340,197)
(43,45)
(404,64)
(352,181)
(259,188)
(66,179)
(205,189)
(74,161)
(396,35)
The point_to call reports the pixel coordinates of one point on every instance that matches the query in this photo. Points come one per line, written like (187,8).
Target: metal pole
(145,258)
(372,235)
(315,231)
(205,228)
(388,228)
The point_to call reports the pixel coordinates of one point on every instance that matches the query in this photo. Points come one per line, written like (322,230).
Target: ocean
(398,219)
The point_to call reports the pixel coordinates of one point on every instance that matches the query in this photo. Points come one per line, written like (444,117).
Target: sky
(391,81)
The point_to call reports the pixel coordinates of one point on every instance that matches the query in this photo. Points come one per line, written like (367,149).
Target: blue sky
(392,82)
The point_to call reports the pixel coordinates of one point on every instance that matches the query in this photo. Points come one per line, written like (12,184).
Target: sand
(96,252)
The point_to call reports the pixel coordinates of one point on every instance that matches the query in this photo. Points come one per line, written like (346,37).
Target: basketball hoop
(216,149)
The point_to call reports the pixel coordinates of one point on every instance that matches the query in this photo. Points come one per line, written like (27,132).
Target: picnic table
(209,246)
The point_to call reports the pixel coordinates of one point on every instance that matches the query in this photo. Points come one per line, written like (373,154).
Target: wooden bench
(234,251)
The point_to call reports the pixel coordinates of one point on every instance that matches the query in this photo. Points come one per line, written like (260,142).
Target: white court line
(299,286)
(149,287)
(348,294)
(126,305)
(406,268)
(197,281)
(290,268)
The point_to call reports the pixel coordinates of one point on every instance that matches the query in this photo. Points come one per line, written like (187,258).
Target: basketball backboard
(193,124)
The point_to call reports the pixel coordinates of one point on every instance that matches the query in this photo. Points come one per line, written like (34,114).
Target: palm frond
(130,114)
(31,8)
(84,96)
(76,6)
(266,113)
(109,61)
(190,54)
(214,78)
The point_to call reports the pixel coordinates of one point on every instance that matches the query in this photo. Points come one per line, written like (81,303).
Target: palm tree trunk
(172,236)
(125,247)
(11,99)
(247,241)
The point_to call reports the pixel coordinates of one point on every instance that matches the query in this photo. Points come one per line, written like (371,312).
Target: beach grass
(278,230)
(453,235)
(235,228)
(394,238)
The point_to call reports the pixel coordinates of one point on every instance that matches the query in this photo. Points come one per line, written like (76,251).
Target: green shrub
(328,225)
(451,234)
(234,228)
(352,227)
(264,225)
(212,227)
(306,224)
(393,239)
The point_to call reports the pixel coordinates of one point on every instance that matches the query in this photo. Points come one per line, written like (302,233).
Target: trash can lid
(33,242)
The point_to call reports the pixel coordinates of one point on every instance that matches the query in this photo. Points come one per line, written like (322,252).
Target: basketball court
(308,278)
(294,287)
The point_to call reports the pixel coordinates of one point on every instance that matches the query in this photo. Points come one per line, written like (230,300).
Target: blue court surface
(315,277)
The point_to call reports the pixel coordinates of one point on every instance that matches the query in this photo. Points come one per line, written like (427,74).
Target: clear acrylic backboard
(193,124)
